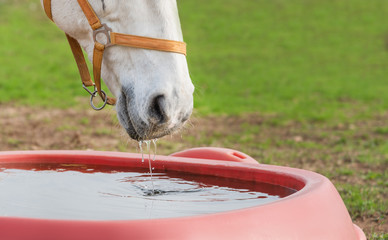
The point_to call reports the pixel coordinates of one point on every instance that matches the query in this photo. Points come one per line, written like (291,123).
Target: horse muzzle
(155,118)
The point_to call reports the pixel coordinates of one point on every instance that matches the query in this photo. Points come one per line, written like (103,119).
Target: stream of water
(148,144)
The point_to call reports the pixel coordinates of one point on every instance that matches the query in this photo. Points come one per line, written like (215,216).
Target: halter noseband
(112,38)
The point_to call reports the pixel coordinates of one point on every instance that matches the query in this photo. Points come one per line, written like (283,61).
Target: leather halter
(112,38)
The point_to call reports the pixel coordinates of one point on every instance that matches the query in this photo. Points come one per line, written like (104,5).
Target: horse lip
(138,131)
(125,118)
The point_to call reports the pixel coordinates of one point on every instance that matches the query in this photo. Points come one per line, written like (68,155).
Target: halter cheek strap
(112,38)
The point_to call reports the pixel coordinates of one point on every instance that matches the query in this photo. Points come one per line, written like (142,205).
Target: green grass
(376,236)
(303,60)
(362,201)
(314,60)
(36,66)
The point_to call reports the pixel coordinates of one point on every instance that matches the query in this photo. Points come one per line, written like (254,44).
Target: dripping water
(154,142)
(141,150)
(148,144)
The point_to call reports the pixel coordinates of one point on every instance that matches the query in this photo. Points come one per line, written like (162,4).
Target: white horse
(154,89)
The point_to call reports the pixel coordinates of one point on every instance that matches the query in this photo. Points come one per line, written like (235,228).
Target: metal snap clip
(95,95)
(86,88)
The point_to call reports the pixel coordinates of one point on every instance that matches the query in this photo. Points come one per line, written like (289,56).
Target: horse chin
(142,133)
(145,132)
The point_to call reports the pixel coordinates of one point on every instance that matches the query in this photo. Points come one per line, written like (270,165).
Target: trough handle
(213,153)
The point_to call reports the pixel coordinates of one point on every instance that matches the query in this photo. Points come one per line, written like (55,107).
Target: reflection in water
(76,191)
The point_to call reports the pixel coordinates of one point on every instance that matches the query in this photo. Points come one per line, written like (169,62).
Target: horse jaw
(154,89)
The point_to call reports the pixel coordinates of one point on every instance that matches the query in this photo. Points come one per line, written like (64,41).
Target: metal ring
(104,29)
(93,96)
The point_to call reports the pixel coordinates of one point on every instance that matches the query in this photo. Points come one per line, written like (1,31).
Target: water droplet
(141,150)
(154,142)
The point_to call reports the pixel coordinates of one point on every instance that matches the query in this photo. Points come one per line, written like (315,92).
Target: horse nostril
(157,111)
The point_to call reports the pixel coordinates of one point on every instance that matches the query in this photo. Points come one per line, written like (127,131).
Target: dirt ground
(321,148)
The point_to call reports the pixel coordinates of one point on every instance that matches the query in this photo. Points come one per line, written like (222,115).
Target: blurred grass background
(302,60)
(314,60)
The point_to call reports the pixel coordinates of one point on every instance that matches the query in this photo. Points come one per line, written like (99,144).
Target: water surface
(75,191)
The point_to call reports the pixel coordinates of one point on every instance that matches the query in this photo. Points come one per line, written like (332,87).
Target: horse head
(153,88)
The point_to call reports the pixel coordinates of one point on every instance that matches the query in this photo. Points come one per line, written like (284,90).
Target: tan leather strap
(93,20)
(80,60)
(98,54)
(113,39)
(78,53)
(98,51)
(47,9)
(148,43)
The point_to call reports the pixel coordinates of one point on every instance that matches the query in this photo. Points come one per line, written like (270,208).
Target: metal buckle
(104,29)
